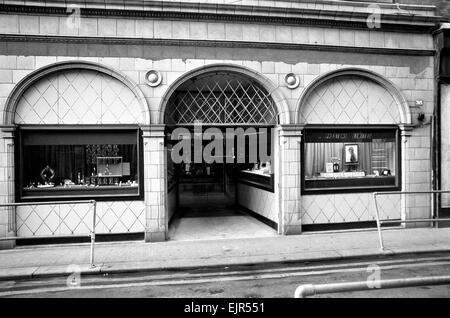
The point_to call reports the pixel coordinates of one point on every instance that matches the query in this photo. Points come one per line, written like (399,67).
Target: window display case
(260,175)
(62,163)
(350,158)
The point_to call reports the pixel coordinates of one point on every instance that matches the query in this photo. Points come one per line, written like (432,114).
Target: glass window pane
(79,168)
(350,159)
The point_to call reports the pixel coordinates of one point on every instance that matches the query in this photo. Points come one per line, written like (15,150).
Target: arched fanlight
(221,98)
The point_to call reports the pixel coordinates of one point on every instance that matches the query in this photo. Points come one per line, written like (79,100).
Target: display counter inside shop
(353,179)
(81,190)
(257,178)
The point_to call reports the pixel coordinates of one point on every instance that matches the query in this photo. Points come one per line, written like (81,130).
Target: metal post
(303,291)
(433,209)
(94,203)
(432,220)
(377,214)
(92,233)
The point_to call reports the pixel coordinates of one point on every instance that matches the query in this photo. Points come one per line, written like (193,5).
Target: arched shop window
(351,137)
(60,163)
(78,137)
(350,158)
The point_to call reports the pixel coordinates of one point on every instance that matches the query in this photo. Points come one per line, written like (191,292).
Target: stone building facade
(89,65)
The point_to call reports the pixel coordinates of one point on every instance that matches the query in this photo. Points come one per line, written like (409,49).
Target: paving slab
(136,256)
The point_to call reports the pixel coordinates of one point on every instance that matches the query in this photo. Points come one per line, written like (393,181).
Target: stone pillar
(7,214)
(155,184)
(290,178)
(407,201)
(416,175)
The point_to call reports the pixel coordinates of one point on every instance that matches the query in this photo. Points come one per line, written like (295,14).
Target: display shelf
(366,183)
(257,179)
(81,190)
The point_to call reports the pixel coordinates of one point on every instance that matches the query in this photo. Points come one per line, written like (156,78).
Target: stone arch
(26,83)
(274,91)
(390,96)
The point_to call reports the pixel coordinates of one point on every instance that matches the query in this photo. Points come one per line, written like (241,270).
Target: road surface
(269,280)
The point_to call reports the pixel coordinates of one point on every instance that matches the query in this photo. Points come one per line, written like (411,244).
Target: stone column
(7,214)
(406,201)
(155,184)
(290,178)
(416,175)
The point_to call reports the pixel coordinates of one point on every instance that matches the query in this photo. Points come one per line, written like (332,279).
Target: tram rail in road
(222,274)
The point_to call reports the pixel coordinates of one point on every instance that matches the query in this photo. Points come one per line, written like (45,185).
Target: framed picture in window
(351,154)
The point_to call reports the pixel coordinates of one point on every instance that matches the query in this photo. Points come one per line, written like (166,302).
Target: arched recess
(97,78)
(240,71)
(352,96)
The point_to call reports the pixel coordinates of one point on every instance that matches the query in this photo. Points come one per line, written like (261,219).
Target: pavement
(137,256)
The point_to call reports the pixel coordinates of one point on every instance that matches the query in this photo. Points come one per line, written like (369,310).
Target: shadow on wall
(417,64)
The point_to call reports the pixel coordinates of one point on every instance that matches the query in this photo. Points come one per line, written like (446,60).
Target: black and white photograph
(351,154)
(224,157)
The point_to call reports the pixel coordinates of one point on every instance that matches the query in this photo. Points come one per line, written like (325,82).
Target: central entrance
(220,162)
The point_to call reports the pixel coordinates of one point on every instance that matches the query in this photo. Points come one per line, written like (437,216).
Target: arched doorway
(231,193)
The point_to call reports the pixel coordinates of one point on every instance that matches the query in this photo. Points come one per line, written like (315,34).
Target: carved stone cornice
(153,131)
(214,43)
(406,129)
(8,128)
(292,130)
(233,13)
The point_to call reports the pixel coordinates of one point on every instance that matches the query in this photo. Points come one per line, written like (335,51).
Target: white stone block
(127,64)
(126,27)
(28,24)
(8,62)
(283,68)
(20,74)
(107,27)
(198,30)
(234,32)
(144,28)
(162,29)
(88,26)
(180,30)
(316,36)
(26,62)
(5,89)
(9,24)
(267,33)
(216,31)
(283,34)
(300,35)
(48,25)
(44,60)
(163,65)
(250,32)
(6,76)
